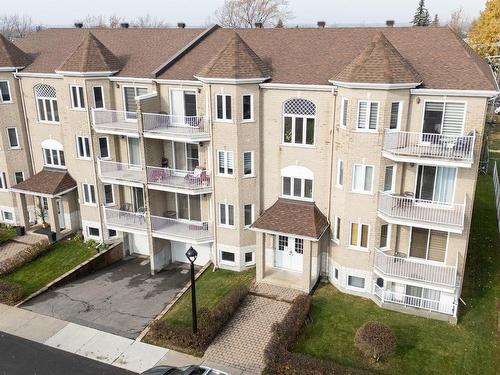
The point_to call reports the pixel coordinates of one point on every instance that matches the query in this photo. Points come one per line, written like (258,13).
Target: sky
(200,12)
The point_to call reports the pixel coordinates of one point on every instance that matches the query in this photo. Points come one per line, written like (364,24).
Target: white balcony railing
(191,230)
(415,270)
(120,171)
(192,180)
(427,145)
(111,120)
(125,219)
(183,126)
(385,296)
(409,208)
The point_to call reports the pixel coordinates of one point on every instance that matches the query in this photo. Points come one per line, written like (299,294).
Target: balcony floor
(175,183)
(181,231)
(120,127)
(428,155)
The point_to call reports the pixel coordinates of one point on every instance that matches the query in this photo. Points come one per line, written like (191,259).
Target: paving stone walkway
(18,244)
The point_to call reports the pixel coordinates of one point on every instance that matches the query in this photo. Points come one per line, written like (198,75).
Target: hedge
(10,293)
(24,256)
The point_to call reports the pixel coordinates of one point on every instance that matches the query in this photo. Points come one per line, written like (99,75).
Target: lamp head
(191,254)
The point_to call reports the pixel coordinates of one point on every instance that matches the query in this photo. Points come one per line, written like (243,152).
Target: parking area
(121,299)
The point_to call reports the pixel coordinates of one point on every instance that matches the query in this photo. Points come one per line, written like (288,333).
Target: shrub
(10,293)
(375,339)
(24,256)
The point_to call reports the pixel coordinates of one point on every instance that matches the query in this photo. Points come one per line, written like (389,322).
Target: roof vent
(181,25)
(259,25)
(389,23)
(78,25)
(321,24)
(124,25)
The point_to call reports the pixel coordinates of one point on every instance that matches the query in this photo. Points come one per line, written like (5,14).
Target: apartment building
(348,153)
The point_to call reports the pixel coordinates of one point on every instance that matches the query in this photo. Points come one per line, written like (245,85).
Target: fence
(496,184)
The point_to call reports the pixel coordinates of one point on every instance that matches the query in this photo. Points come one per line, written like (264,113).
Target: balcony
(121,173)
(179,181)
(125,221)
(181,230)
(177,128)
(413,269)
(115,122)
(403,210)
(430,149)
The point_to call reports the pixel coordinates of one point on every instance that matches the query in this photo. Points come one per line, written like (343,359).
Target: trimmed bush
(24,256)
(10,293)
(375,339)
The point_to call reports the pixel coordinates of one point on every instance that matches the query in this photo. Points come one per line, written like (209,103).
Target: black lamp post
(192,254)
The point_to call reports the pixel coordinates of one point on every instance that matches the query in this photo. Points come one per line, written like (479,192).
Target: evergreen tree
(421,17)
(279,25)
(435,23)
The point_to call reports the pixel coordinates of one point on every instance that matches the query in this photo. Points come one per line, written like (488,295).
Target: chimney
(181,25)
(321,24)
(78,25)
(124,25)
(389,23)
(259,25)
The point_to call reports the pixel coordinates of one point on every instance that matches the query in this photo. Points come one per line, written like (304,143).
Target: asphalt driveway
(120,299)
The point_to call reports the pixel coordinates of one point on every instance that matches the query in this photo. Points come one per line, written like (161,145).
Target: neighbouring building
(347,153)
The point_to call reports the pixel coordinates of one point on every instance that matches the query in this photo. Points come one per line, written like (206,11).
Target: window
(299,246)
(340,173)
(385,233)
(223,107)
(226,256)
(104,147)
(444,118)
(188,207)
(112,233)
(19,177)
(247,107)
(362,178)
(359,236)
(3,181)
(249,258)
(344,112)
(226,214)
(93,232)
(98,92)
(46,102)
(248,163)
(296,187)
(356,282)
(88,194)
(129,94)
(83,147)
(109,198)
(7,216)
(225,163)
(428,244)
(299,116)
(77,97)
(367,115)
(53,158)
(436,183)
(5,92)
(282,243)
(336,273)
(13,138)
(390,178)
(395,120)
(336,229)
(248,210)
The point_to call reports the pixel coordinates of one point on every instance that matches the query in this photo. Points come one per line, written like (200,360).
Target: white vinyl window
(248,212)
(293,187)
(444,118)
(19,177)
(223,104)
(358,238)
(336,229)
(104,147)
(46,102)
(13,138)
(77,97)
(344,110)
(7,216)
(109,198)
(249,258)
(385,236)
(390,178)
(98,92)
(3,181)
(299,117)
(247,110)
(88,194)
(83,147)
(226,215)
(53,158)
(5,96)
(367,115)
(248,164)
(227,257)
(93,232)
(395,119)
(356,282)
(340,173)
(112,233)
(225,163)
(129,94)
(362,178)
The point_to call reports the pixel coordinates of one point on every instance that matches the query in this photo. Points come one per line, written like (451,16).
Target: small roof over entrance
(292,217)
(48,182)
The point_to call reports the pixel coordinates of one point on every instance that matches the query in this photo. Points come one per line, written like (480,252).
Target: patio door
(435,183)
(422,297)
(183,104)
(428,244)
(186,156)
(289,253)
(138,199)
(188,207)
(134,154)
(60,213)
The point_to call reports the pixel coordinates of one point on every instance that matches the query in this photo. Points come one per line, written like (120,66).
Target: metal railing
(385,295)
(121,171)
(414,269)
(192,230)
(496,185)
(173,124)
(410,208)
(197,179)
(126,219)
(427,145)
(114,119)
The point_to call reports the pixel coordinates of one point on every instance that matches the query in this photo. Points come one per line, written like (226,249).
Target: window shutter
(373,115)
(453,118)
(230,164)
(222,164)
(362,114)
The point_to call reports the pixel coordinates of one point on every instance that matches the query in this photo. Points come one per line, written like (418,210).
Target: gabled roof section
(379,63)
(11,56)
(235,61)
(49,181)
(91,56)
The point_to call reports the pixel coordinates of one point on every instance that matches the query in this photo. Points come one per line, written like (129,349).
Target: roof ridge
(11,56)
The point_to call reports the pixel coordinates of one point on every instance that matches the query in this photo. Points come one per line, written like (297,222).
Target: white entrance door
(60,213)
(289,253)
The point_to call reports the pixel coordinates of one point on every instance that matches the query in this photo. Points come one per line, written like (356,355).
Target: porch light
(191,254)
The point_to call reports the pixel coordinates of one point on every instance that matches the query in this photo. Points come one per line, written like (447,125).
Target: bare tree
(245,13)
(102,21)
(149,21)
(16,26)
(459,22)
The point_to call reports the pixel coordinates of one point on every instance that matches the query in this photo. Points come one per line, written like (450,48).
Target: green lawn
(6,233)
(61,258)
(425,346)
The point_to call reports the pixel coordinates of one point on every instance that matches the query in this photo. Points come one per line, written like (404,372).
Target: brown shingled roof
(380,62)
(48,181)
(293,217)
(10,55)
(236,60)
(91,56)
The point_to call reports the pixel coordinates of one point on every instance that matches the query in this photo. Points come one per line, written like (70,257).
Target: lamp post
(192,254)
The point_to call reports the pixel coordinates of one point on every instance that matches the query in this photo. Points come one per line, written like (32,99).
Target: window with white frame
(223,104)
(13,137)
(299,245)
(282,243)
(83,147)
(88,193)
(7,216)
(390,178)
(225,163)
(129,94)
(385,234)
(226,214)
(248,214)
(248,164)
(395,120)
(5,96)
(297,182)
(359,236)
(362,178)
(77,97)
(46,101)
(336,229)
(227,257)
(344,110)
(367,115)
(19,177)
(444,118)
(93,232)
(299,117)
(98,93)
(104,147)
(356,282)
(53,154)
(340,173)
(247,110)
(249,258)
(3,181)
(112,233)
(109,198)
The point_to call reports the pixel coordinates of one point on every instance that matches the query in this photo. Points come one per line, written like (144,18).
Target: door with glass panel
(134,153)
(183,107)
(289,253)
(129,94)
(427,244)
(188,207)
(435,184)
(138,199)
(422,297)
(186,156)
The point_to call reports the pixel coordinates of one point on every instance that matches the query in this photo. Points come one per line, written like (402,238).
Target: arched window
(46,103)
(297,182)
(299,117)
(53,153)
